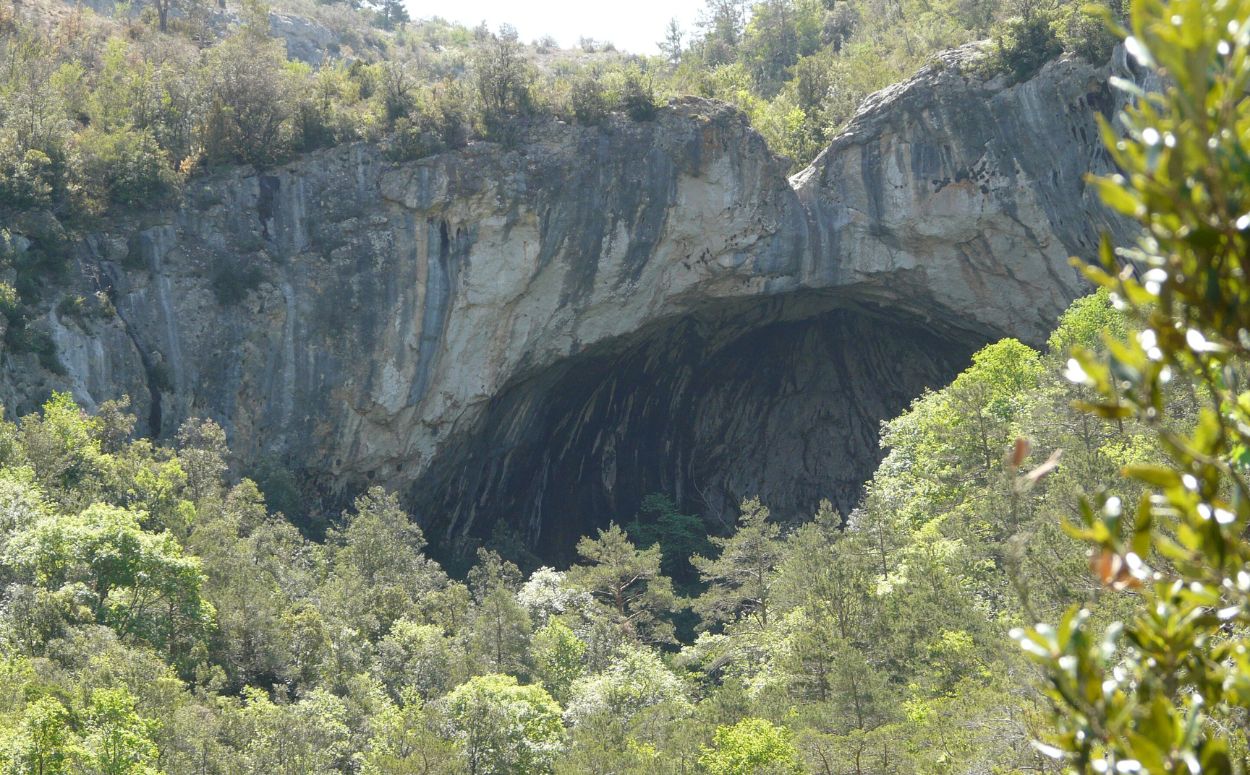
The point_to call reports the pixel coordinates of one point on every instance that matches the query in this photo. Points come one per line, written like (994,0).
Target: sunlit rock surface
(545,333)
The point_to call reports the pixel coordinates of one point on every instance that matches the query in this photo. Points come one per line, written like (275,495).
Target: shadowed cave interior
(781,398)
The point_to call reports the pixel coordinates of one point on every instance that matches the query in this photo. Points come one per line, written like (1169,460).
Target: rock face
(543,334)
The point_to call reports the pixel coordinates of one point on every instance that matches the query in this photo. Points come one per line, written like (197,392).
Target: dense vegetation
(156,616)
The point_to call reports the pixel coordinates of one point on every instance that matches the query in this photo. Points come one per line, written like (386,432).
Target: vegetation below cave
(151,598)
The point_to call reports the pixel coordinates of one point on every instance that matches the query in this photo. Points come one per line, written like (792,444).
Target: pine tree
(741,579)
(672,45)
(628,581)
(500,630)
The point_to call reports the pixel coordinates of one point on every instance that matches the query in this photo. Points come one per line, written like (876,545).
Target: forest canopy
(152,598)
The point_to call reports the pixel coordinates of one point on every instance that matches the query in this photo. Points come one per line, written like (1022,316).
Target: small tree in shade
(740,580)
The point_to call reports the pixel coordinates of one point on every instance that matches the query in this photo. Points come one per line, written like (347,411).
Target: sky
(633,25)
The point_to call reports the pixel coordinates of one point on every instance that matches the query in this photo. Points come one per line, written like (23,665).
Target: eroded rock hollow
(543,334)
(782,397)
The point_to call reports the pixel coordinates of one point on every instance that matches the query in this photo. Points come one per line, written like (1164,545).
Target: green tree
(379,541)
(416,659)
(558,658)
(504,80)
(635,681)
(21,506)
(722,22)
(62,444)
(249,102)
(202,451)
(118,740)
(405,741)
(771,42)
(34,126)
(43,743)
(307,737)
(680,536)
(138,583)
(499,631)
(740,579)
(753,746)
(1027,40)
(379,574)
(249,577)
(628,581)
(392,14)
(548,593)
(123,159)
(503,728)
(673,44)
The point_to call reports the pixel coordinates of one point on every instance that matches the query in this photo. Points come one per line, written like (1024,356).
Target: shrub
(312,127)
(280,487)
(22,337)
(1084,32)
(125,166)
(27,178)
(398,90)
(249,103)
(9,301)
(637,94)
(323,112)
(161,377)
(437,122)
(503,79)
(1026,42)
(411,140)
(588,99)
(234,279)
(72,306)
(787,129)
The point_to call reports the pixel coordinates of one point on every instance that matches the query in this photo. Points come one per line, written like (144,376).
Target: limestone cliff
(545,333)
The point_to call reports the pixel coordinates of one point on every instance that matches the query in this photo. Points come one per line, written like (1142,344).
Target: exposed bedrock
(545,333)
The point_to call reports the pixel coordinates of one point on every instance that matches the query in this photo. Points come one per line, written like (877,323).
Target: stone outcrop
(544,333)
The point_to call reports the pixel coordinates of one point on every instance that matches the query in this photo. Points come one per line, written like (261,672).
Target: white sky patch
(633,25)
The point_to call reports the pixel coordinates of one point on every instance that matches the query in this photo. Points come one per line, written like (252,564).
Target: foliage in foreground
(1166,688)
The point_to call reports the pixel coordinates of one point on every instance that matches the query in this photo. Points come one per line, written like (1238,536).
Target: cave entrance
(781,398)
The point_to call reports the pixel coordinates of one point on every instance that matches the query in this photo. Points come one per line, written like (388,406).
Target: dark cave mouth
(781,398)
